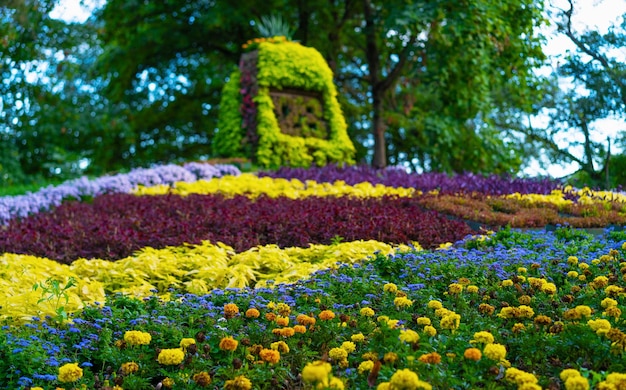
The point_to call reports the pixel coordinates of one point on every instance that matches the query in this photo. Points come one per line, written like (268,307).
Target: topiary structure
(280,108)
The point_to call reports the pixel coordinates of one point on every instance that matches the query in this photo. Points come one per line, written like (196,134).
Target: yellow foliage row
(253,186)
(195,269)
(559,197)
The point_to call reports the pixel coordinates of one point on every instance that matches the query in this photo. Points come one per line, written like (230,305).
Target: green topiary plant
(253,130)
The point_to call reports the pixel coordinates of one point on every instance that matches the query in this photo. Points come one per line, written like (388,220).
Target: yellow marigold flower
(451,321)
(483,337)
(239,383)
(522,270)
(271,305)
(518,327)
(442,312)
(582,278)
(70,372)
(507,283)
(616,378)
(167,382)
(283,309)
(472,354)
(485,308)
(338,354)
(171,357)
(577,383)
(612,311)
(595,261)
(572,260)
(202,379)
(569,373)
(608,302)
(365,366)
(367,312)
(549,288)
(280,346)
(402,302)
(186,342)
(600,281)
(393,324)
(228,344)
(135,337)
(282,321)
(613,290)
(583,266)
(316,372)
(430,358)
(373,356)
(336,383)
(464,281)
(526,311)
(36,388)
(404,379)
(390,287)
(423,321)
(326,315)
(390,357)
(543,320)
(253,313)
(129,367)
(521,278)
(508,312)
(495,351)
(409,336)
(455,288)
(349,346)
(299,329)
(269,355)
(571,314)
(383,386)
(472,289)
(583,310)
(230,310)
(430,330)
(572,274)
(434,305)
(536,283)
(600,326)
(358,337)
(524,300)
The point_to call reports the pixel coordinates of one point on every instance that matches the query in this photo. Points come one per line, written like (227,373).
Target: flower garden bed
(348,286)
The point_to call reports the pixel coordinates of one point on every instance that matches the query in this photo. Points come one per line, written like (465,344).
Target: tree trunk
(378,131)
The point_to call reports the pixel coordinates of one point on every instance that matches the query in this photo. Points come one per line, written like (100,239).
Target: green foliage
(274,25)
(52,290)
(229,135)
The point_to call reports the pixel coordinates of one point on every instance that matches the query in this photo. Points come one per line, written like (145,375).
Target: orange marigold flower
(239,383)
(430,358)
(228,344)
(230,310)
(282,321)
(252,313)
(304,319)
(270,316)
(299,329)
(327,315)
(472,354)
(269,355)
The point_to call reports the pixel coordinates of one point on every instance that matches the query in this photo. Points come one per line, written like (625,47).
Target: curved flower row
(24,205)
(194,269)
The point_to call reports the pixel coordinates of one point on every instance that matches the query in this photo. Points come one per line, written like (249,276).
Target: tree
(49,106)
(596,89)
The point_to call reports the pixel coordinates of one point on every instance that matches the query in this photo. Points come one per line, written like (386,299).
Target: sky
(590,14)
